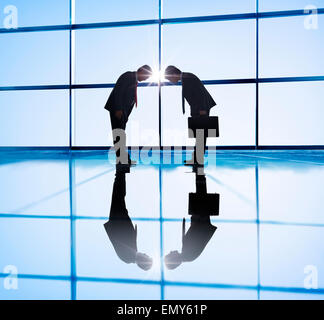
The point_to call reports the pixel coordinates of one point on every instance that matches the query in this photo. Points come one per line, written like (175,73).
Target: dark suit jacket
(123,95)
(196,238)
(196,94)
(120,229)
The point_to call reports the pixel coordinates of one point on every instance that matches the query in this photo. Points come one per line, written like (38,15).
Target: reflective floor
(72,227)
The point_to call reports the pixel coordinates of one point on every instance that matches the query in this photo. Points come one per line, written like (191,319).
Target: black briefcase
(204,204)
(208,124)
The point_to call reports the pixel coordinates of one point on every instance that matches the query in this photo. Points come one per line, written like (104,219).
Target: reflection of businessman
(198,235)
(194,91)
(120,229)
(120,105)
(194,241)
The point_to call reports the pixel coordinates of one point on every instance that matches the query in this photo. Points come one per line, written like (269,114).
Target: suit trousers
(196,157)
(118,127)
(118,209)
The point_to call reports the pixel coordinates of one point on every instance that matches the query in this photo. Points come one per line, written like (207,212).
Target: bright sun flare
(157,75)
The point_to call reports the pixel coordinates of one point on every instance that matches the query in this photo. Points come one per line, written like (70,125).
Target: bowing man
(120,105)
(195,93)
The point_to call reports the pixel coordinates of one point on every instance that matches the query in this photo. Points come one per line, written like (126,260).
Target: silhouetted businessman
(120,105)
(120,229)
(197,237)
(194,91)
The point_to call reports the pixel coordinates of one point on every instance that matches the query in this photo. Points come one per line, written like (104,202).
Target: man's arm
(118,114)
(205,107)
(120,94)
(194,89)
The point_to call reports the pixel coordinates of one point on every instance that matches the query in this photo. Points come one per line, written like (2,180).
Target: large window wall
(261,60)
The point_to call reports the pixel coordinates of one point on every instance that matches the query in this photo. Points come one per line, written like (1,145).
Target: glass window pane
(36,246)
(92,121)
(96,177)
(34,58)
(34,118)
(212,50)
(91,11)
(190,8)
(281,295)
(291,113)
(292,193)
(278,5)
(239,267)
(103,262)
(29,187)
(102,55)
(174,123)
(220,179)
(288,49)
(196,293)
(285,252)
(117,291)
(235,109)
(38,13)
(35,289)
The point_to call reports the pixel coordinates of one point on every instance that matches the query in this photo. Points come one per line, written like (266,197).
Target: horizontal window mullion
(163,84)
(225,17)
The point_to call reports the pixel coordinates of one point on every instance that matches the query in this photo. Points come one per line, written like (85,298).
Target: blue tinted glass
(238,267)
(291,46)
(279,295)
(174,123)
(35,289)
(103,261)
(285,253)
(92,121)
(40,118)
(294,198)
(291,113)
(36,246)
(220,179)
(235,109)
(196,293)
(97,178)
(189,8)
(277,5)
(86,171)
(117,291)
(34,58)
(33,189)
(37,13)
(87,11)
(288,241)
(212,50)
(102,55)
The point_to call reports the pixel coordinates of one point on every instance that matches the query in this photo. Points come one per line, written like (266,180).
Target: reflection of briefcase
(208,124)
(204,204)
